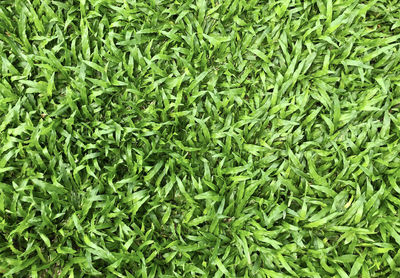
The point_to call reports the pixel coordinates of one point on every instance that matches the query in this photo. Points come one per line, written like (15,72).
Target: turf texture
(200,138)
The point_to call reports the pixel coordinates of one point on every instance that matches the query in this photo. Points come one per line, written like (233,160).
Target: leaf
(209,195)
(321,221)
(154,171)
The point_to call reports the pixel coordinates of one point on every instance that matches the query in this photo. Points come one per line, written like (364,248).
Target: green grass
(235,138)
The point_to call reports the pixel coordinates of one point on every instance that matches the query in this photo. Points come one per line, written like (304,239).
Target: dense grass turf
(199,138)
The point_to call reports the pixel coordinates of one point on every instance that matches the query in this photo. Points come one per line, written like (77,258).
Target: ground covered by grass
(200,138)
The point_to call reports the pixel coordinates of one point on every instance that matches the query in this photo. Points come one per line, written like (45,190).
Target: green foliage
(196,138)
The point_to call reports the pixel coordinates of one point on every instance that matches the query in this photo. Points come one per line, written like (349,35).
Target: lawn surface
(235,138)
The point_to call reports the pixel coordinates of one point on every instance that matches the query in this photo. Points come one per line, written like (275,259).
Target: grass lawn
(200,138)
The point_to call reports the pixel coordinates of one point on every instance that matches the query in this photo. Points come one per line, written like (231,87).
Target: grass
(199,138)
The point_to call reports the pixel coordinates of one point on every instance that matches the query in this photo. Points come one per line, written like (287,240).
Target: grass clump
(199,138)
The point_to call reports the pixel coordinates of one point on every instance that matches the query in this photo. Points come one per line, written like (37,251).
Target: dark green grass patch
(199,138)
